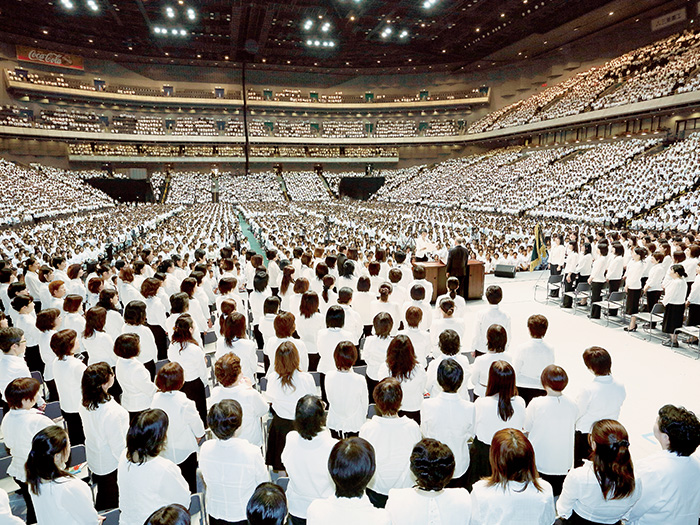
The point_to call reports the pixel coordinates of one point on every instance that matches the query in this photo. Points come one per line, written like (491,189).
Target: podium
(436,274)
(475,270)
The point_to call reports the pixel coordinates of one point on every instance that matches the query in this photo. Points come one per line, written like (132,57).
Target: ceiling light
(325,27)
(68,4)
(170,12)
(309,42)
(308,24)
(403,34)
(191,14)
(317,43)
(611,13)
(183,32)
(92,5)
(156,30)
(173,31)
(331,44)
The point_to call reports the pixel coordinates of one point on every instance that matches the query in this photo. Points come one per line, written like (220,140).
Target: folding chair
(371,411)
(317,378)
(283,483)
(111,517)
(613,302)
(197,509)
(655,316)
(362,370)
(37,375)
(582,291)
(690,331)
(263,384)
(53,411)
(160,364)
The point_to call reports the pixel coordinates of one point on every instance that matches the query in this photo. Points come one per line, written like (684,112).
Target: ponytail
(40,463)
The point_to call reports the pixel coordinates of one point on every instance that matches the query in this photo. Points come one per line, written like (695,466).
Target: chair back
(111,517)
(554,279)
(160,364)
(616,297)
(78,456)
(658,309)
(371,411)
(53,410)
(283,483)
(197,509)
(583,287)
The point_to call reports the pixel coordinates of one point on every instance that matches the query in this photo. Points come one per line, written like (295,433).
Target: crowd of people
(306,186)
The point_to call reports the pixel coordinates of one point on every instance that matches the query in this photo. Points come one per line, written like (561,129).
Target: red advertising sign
(49,58)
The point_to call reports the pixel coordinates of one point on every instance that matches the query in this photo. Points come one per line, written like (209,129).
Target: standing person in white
(346,391)
(137,387)
(669,478)
(234,341)
(68,373)
(147,481)
(531,358)
(489,316)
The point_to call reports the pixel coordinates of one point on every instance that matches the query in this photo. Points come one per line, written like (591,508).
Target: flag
(539,249)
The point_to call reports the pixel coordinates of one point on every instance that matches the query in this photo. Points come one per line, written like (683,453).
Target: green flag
(539,249)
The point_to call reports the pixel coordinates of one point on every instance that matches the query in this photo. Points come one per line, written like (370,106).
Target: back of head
(433,464)
(419,272)
(351,465)
(41,461)
(417,292)
(512,458)
(10,336)
(224,418)
(145,438)
(448,342)
(174,514)
(388,396)
(494,294)
(496,338)
(597,360)
(612,463)
(537,325)
(450,375)
(383,324)
(309,417)
(267,505)
(681,427)
(414,316)
(501,383)
(335,317)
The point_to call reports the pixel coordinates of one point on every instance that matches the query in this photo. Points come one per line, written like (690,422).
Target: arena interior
(263,191)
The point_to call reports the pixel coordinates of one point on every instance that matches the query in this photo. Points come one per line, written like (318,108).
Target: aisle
(254,244)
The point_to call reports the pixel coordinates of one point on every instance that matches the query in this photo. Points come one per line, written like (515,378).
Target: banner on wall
(49,58)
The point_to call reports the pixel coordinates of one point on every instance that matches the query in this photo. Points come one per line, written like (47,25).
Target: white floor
(653,375)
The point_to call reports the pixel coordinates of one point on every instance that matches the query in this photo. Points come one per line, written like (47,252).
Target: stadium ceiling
(305,33)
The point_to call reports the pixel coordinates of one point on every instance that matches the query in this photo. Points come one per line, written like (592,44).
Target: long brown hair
(502,383)
(401,357)
(512,458)
(286,363)
(95,319)
(234,328)
(287,278)
(611,459)
(181,331)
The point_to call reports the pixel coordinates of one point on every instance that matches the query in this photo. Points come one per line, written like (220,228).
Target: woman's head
(351,465)
(267,505)
(309,304)
(496,338)
(95,319)
(400,357)
(447,307)
(183,331)
(234,328)
(502,384)
(170,378)
(146,436)
(388,396)
(227,369)
(225,418)
(611,458)
(64,342)
(127,346)
(345,355)
(385,292)
(383,324)
(512,458)
(48,456)
(335,317)
(286,362)
(284,325)
(309,417)
(72,303)
(150,287)
(135,313)
(97,379)
(301,285)
(48,319)
(433,464)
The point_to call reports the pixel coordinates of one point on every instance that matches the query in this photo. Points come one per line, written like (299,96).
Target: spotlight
(191,14)
(173,31)
(317,43)
(93,5)
(157,30)
(403,34)
(183,32)
(325,27)
(170,12)
(309,42)
(308,25)
(68,4)
(331,44)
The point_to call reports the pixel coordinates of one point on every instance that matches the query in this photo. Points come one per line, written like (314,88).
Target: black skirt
(693,315)
(673,317)
(633,297)
(194,390)
(276,438)
(479,465)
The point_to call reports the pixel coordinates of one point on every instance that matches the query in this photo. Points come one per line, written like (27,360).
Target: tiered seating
(195,126)
(189,187)
(70,121)
(254,187)
(305,186)
(395,128)
(351,129)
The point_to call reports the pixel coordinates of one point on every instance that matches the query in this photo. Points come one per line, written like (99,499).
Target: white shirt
(656,277)
(147,343)
(143,489)
(391,307)
(347,398)
(374,354)
(135,380)
(283,398)
(253,405)
(231,469)
(670,490)
(480,370)
(306,463)
(484,319)
(427,285)
(353,322)
(68,373)
(598,270)
(450,323)
(105,435)
(27,323)
(6,516)
(413,388)
(550,422)
(76,321)
(346,511)
(114,324)
(529,360)
(615,268)
(635,269)
(64,501)
(512,505)
(191,359)
(420,340)
(601,399)
(99,348)
(412,506)
(487,421)
(584,265)
(557,255)
(424,306)
(432,385)
(155,311)
(327,340)
(12,367)
(393,439)
(450,419)
(674,292)
(19,426)
(308,328)
(582,493)
(185,426)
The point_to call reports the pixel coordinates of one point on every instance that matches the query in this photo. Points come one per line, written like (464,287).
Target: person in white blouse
(105,423)
(185,428)
(449,418)
(155,309)
(135,323)
(531,358)
(185,351)
(134,379)
(598,278)
(308,324)
(487,317)
(19,426)
(234,341)
(419,337)
(401,364)
(68,373)
(13,345)
(670,492)
(286,385)
(267,505)
(305,458)
(148,481)
(654,284)
(675,291)
(500,408)
(615,269)
(58,497)
(285,326)
(385,303)
(449,348)
(271,307)
(633,285)
(109,300)
(418,299)
(231,467)
(6,516)
(73,318)
(430,502)
(570,273)
(375,348)
(513,494)
(234,385)
(445,319)
(95,342)
(557,255)
(496,341)
(25,320)
(601,399)
(603,490)
(362,299)
(550,423)
(393,438)
(346,391)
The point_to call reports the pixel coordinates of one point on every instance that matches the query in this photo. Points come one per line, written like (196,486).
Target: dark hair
(335,317)
(182,331)
(22,301)
(321,270)
(414,316)
(95,284)
(612,463)
(678,268)
(20,389)
(388,396)
(502,384)
(286,363)
(419,272)
(603,248)
(554,377)
(453,286)
(41,464)
(170,378)
(267,505)
(309,304)
(400,357)
(537,325)
(284,324)
(344,295)
(94,376)
(179,303)
(95,319)
(63,342)
(433,464)
(127,346)
(395,275)
(261,280)
(345,355)
(105,300)
(301,285)
(496,338)
(363,284)
(328,282)
(417,292)
(450,375)
(494,294)
(271,305)
(71,303)
(233,328)
(598,360)
(188,286)
(383,323)
(226,284)
(174,514)
(135,313)
(512,458)
(385,290)
(227,369)
(46,319)
(287,278)
(146,436)
(682,428)
(448,342)
(224,418)
(351,465)
(447,306)
(309,417)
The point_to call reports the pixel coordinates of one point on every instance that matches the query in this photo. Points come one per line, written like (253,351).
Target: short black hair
(351,465)
(682,428)
(309,417)
(146,436)
(335,317)
(267,505)
(494,294)
(448,341)
(450,375)
(174,514)
(135,313)
(224,418)
(127,345)
(433,464)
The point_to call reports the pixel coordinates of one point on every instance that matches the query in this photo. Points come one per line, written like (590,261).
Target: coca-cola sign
(49,58)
